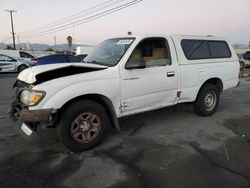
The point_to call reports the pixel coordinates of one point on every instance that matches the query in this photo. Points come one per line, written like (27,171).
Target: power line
(75,22)
(85,20)
(74,16)
(12,26)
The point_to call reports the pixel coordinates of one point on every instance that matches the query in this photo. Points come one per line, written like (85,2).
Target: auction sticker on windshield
(124,41)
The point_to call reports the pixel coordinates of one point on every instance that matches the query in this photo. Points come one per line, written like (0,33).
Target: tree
(8,47)
(249,44)
(50,49)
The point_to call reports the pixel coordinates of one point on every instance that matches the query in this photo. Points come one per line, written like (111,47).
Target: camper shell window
(205,49)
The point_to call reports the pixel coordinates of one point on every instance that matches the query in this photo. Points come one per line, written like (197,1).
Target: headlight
(31,97)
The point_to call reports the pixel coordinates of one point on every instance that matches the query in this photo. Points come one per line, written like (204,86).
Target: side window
(219,49)
(2,58)
(25,55)
(154,51)
(246,55)
(195,49)
(205,49)
(73,59)
(6,58)
(58,58)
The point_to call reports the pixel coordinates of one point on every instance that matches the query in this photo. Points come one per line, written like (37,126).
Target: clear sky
(226,18)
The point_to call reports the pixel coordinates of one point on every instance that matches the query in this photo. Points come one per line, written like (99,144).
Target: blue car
(55,58)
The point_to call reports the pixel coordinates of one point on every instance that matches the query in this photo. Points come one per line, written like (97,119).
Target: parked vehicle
(121,77)
(241,61)
(82,56)
(18,55)
(55,58)
(246,56)
(9,64)
(84,50)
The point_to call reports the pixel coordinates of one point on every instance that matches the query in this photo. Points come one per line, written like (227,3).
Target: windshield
(109,52)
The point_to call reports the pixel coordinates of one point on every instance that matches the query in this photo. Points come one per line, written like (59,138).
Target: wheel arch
(18,67)
(214,81)
(104,101)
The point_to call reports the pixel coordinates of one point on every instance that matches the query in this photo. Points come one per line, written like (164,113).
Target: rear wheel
(83,125)
(207,100)
(21,68)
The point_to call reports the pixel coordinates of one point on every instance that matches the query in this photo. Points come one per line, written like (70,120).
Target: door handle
(170,74)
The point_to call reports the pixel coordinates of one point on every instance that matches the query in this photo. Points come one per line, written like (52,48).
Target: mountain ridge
(42,47)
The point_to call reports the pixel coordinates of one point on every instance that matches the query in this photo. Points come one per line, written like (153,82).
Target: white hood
(29,75)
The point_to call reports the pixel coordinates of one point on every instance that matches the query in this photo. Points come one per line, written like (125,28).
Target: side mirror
(135,64)
(246,55)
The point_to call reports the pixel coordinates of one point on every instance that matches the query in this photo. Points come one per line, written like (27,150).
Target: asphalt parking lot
(171,147)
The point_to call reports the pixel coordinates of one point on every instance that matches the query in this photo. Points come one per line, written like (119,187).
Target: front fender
(56,99)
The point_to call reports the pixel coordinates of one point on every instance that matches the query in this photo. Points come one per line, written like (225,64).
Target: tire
(83,125)
(21,68)
(207,100)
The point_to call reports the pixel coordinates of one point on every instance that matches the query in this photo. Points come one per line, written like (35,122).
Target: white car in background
(18,55)
(10,64)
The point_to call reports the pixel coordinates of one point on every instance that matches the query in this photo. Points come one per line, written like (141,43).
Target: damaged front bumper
(34,125)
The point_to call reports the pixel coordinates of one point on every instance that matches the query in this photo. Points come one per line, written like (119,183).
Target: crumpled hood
(43,73)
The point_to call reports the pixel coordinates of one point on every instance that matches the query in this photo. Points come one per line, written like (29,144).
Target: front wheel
(21,68)
(207,100)
(83,125)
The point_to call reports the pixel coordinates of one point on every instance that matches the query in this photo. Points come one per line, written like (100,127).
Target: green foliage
(50,50)
(8,47)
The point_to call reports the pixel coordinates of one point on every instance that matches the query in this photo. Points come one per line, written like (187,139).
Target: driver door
(155,85)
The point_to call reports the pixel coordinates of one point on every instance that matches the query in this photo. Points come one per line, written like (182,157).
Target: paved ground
(171,147)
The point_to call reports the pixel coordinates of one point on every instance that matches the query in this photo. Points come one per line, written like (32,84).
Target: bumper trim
(35,115)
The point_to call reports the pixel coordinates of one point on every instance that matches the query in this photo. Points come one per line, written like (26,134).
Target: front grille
(17,88)
(20,84)
(17,106)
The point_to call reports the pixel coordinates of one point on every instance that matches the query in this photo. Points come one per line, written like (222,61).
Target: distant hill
(42,47)
(240,46)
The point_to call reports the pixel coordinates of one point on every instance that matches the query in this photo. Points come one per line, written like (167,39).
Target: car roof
(54,55)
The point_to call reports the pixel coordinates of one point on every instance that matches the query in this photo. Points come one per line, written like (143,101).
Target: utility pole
(73,39)
(18,40)
(13,34)
(55,42)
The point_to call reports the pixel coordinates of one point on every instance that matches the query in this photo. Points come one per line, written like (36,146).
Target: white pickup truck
(123,76)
